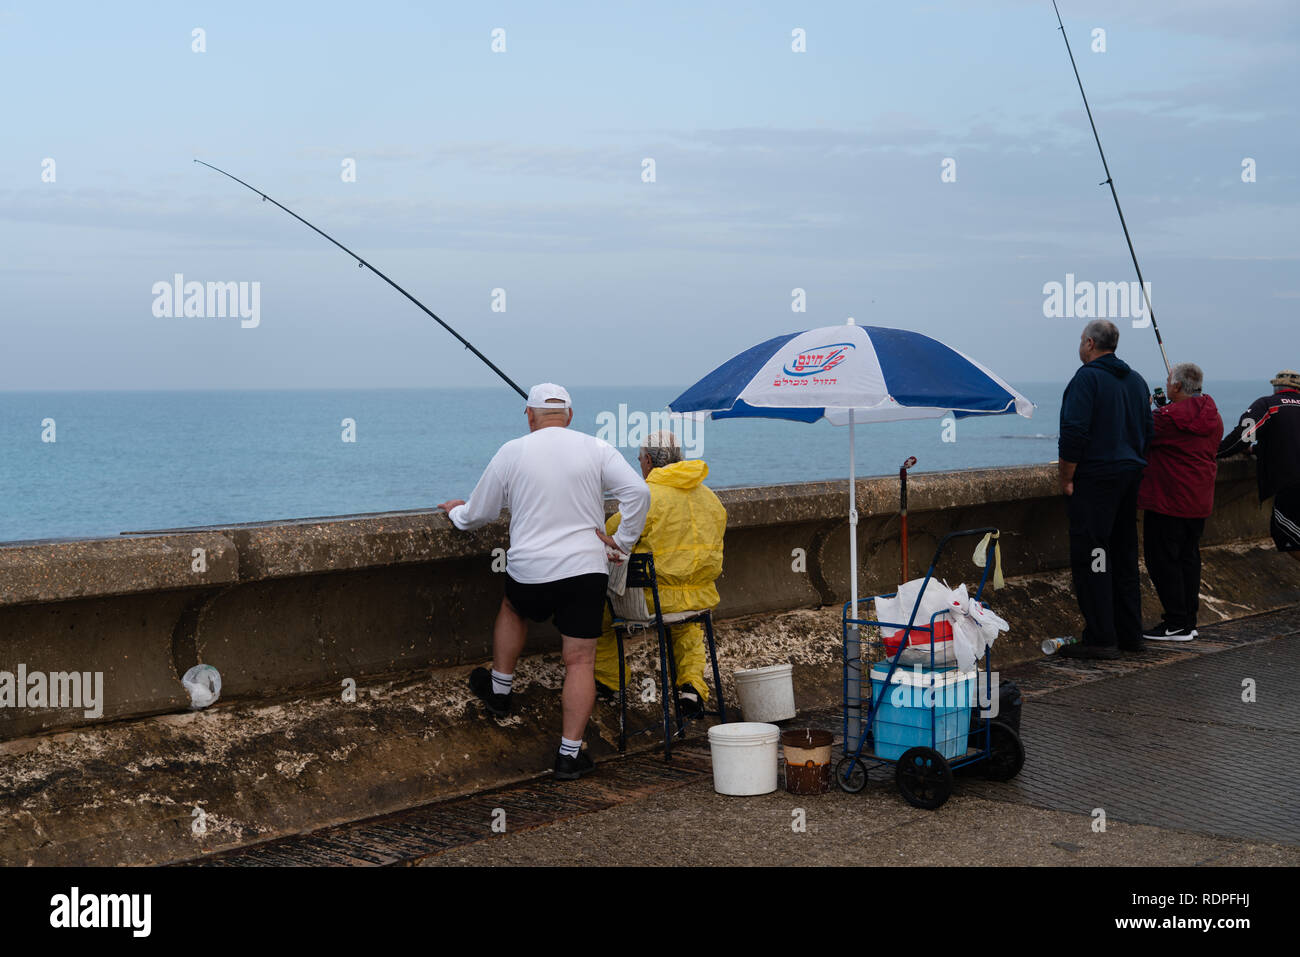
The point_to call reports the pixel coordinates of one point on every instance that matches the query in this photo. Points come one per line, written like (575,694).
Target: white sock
(501,684)
(569,748)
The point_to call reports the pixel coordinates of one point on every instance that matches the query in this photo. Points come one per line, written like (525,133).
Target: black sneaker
(605,693)
(480,682)
(1095,652)
(691,706)
(1165,633)
(570,769)
(1155,630)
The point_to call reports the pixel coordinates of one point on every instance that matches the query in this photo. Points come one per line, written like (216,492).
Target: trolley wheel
(851,775)
(1006,753)
(923,778)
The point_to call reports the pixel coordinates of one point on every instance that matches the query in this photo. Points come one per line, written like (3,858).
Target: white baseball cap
(539,395)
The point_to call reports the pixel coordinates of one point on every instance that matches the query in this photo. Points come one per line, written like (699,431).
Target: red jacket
(1181,467)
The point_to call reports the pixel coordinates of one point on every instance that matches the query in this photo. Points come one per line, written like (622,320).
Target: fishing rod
(362,262)
(1142,286)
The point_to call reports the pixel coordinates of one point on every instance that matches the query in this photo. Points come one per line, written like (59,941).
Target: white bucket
(744,757)
(766,694)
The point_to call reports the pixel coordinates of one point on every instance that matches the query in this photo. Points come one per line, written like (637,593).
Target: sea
(96,464)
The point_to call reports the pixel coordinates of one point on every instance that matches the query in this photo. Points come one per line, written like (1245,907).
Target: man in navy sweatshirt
(1106,429)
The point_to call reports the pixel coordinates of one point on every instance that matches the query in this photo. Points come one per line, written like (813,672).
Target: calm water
(126,461)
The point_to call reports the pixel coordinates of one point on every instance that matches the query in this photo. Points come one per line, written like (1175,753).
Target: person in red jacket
(1177,494)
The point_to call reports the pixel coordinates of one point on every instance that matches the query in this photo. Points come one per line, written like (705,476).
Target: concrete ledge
(155,561)
(97,568)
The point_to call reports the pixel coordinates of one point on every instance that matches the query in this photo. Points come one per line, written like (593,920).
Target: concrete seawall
(289,608)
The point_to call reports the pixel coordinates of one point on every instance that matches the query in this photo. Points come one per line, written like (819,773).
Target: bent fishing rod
(362,262)
(1109,181)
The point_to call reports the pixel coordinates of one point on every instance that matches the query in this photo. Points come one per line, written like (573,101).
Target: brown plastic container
(807,760)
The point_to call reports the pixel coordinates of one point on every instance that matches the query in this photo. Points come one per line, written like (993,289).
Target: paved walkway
(1175,746)
(1185,770)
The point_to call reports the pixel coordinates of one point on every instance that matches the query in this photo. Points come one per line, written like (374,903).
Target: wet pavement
(1175,746)
(1163,745)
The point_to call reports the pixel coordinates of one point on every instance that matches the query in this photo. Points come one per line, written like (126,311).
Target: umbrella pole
(852,642)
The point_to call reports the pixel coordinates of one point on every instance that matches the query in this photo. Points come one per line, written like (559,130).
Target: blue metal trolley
(923,774)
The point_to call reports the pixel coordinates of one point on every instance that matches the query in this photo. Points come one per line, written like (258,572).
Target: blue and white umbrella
(850,374)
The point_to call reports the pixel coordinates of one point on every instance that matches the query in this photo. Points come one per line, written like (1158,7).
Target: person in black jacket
(1270,430)
(1105,431)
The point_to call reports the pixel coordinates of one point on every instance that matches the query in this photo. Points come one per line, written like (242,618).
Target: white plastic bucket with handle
(744,757)
(766,694)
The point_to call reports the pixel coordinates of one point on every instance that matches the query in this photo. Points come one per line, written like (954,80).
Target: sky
(524,171)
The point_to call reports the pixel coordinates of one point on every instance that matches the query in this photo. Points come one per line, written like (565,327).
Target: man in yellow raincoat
(684,532)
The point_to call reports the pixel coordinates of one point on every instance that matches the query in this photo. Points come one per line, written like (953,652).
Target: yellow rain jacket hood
(684,530)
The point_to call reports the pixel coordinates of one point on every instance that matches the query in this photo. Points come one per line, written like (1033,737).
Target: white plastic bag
(974,627)
(937,598)
(203,682)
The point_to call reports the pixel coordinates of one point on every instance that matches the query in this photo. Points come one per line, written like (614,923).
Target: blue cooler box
(918,701)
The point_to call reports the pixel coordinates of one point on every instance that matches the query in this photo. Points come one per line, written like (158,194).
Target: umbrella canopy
(879,374)
(851,374)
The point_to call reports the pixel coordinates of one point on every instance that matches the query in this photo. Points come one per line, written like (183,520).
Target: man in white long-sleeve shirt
(554,483)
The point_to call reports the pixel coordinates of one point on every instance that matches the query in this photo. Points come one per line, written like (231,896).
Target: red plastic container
(918,637)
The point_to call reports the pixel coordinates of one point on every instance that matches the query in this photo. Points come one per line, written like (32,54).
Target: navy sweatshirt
(1105,418)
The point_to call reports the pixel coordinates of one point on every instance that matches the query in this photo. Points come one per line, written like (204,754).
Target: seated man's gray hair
(1103,333)
(663,448)
(1189,376)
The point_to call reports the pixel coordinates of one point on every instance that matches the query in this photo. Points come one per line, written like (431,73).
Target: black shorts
(1285,524)
(577,604)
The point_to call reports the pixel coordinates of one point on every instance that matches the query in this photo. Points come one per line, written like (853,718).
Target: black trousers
(1104,558)
(1172,547)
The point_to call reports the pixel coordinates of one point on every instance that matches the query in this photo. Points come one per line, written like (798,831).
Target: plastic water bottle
(1051,646)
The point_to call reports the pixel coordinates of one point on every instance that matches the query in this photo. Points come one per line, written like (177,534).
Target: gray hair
(663,448)
(1189,376)
(1103,333)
